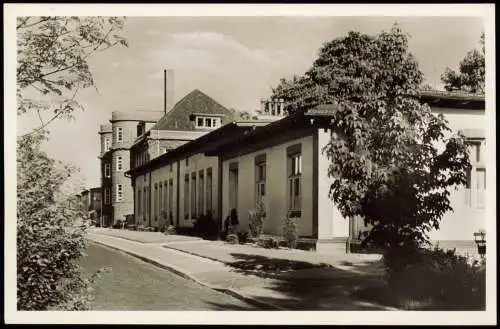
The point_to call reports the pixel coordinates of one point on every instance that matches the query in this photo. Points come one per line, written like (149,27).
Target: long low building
(281,163)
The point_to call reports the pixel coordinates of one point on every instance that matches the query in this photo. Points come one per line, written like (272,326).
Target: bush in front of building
(256,219)
(232,238)
(290,232)
(435,279)
(170,230)
(205,226)
(269,243)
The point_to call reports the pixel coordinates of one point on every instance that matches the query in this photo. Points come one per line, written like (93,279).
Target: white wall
(464,220)
(276,187)
(196,163)
(331,223)
(163,174)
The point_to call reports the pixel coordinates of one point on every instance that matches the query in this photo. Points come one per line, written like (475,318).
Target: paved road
(132,284)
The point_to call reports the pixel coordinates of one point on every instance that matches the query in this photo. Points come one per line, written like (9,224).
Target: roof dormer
(206,121)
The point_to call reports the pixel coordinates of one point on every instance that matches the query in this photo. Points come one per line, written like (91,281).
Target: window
(260,177)
(140,129)
(233,185)
(294,178)
(165,198)
(201,186)
(476,176)
(170,196)
(160,200)
(139,202)
(155,209)
(145,199)
(107,144)
(207,122)
(187,162)
(193,196)
(171,167)
(119,134)
(119,164)
(107,196)
(186,197)
(119,192)
(107,170)
(208,201)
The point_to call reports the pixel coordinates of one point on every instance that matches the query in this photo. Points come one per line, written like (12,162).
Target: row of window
(118,164)
(207,122)
(197,193)
(118,194)
(163,200)
(294,173)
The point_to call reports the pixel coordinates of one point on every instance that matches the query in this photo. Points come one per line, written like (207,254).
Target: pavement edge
(173,269)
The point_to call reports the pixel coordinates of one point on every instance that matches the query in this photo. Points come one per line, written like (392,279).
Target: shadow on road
(309,286)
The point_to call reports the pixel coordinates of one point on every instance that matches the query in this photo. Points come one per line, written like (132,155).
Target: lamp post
(480,239)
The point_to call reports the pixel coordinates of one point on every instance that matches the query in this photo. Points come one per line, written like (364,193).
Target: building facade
(116,140)
(281,163)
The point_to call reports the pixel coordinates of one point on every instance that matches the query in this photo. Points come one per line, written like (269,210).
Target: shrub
(441,277)
(269,243)
(51,230)
(255,223)
(205,226)
(290,232)
(243,237)
(232,238)
(170,230)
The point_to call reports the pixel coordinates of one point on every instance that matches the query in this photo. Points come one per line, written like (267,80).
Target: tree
(52,67)
(52,61)
(384,156)
(471,72)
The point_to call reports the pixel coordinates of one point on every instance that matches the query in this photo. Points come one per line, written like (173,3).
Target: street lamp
(480,239)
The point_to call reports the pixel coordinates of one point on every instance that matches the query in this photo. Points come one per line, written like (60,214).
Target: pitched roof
(194,102)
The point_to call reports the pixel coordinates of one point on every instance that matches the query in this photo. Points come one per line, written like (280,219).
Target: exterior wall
(104,136)
(125,206)
(457,226)
(196,163)
(331,223)
(465,219)
(163,175)
(276,186)
(106,182)
(140,211)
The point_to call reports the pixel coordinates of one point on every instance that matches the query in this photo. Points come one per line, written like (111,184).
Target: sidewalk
(321,288)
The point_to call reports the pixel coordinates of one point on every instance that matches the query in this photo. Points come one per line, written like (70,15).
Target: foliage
(232,238)
(205,226)
(119,224)
(52,60)
(269,243)
(50,233)
(471,72)
(290,232)
(441,278)
(170,230)
(255,223)
(256,219)
(243,237)
(384,152)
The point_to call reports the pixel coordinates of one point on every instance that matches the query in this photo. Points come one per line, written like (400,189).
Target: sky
(235,60)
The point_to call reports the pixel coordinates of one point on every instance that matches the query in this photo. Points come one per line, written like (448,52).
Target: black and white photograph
(251,161)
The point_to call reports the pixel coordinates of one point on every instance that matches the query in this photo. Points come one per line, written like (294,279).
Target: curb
(184,275)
